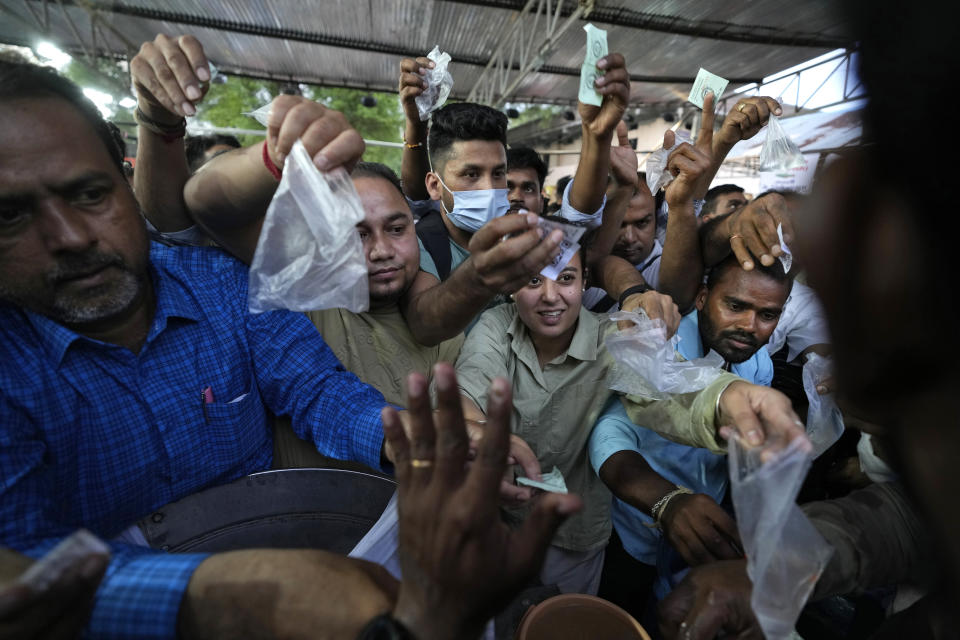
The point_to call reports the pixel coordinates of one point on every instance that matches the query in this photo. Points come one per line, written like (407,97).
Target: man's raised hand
(460,561)
(614,86)
(412,84)
(505,265)
(744,121)
(325,133)
(170,75)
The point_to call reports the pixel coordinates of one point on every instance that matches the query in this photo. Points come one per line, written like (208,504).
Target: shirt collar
(173,301)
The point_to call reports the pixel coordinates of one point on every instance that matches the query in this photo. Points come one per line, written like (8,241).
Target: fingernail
(203,74)
(821,388)
(556,235)
(599,81)
(415,385)
(778,111)
(192,92)
(432,64)
(602,63)
(747,265)
(753,437)
(321,161)
(498,388)
(532,219)
(766,259)
(188,108)
(422,71)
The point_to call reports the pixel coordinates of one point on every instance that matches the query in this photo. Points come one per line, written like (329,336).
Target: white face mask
(473,209)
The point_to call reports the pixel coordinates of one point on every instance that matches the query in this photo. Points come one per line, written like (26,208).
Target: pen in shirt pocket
(206,397)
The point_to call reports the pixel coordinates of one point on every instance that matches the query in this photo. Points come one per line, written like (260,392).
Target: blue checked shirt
(93,435)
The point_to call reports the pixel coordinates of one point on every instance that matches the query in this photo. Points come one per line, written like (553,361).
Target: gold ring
(742,105)
(421,464)
(736,235)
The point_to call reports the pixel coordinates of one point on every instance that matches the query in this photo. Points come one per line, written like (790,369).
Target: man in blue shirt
(132,374)
(736,312)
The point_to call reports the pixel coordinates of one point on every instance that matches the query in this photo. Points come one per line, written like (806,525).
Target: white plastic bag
(785,553)
(439,84)
(657,175)
(648,364)
(309,255)
(824,420)
(779,153)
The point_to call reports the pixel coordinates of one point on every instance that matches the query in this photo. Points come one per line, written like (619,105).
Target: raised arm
(170,75)
(598,125)
(623,168)
(414,165)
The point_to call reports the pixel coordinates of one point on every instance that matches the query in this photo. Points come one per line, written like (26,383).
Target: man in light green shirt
(377,345)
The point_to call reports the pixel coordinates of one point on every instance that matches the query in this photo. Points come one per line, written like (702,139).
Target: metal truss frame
(523,48)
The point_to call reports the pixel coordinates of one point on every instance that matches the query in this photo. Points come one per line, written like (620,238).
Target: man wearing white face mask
(466,157)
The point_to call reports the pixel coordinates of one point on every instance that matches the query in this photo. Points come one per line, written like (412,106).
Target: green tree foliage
(226,102)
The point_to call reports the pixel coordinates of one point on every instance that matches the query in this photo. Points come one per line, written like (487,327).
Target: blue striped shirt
(93,435)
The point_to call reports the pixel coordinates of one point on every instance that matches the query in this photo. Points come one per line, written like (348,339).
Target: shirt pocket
(236,430)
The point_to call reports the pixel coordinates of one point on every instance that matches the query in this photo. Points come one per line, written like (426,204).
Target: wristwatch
(635,289)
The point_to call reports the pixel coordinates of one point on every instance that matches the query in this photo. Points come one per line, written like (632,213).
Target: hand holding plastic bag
(657,175)
(779,153)
(824,420)
(439,83)
(309,255)
(785,553)
(647,363)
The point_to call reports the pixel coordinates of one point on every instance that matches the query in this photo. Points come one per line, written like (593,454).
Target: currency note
(705,82)
(552,481)
(596,49)
(569,245)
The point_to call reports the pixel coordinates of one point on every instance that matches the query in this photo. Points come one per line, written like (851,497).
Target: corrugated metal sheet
(359,42)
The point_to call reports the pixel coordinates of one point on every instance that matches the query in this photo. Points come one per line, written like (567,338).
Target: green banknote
(596,49)
(705,82)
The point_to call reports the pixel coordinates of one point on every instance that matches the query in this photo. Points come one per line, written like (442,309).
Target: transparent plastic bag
(785,553)
(648,364)
(779,153)
(309,255)
(439,84)
(824,420)
(657,175)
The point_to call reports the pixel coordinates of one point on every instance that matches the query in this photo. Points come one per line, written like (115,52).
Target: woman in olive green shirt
(551,348)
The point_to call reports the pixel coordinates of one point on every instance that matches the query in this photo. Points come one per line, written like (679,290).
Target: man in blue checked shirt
(132,375)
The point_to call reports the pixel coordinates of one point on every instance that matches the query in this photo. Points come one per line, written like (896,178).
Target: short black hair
(462,121)
(710,200)
(376,170)
(774,272)
(20,81)
(197,147)
(527,158)
(562,185)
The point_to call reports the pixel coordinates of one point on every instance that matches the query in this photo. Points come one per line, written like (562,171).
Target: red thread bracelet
(272,168)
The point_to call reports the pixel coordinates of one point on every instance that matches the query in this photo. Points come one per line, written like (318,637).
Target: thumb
(669,137)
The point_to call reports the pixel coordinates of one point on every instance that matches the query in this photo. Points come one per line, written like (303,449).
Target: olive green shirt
(554,406)
(378,347)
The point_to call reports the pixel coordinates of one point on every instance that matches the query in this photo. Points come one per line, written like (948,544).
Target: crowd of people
(133,374)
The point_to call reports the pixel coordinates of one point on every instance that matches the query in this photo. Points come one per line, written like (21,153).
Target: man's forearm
(631,478)
(415,164)
(446,309)
(229,198)
(295,593)
(615,275)
(715,240)
(681,265)
(158,180)
(618,198)
(590,180)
